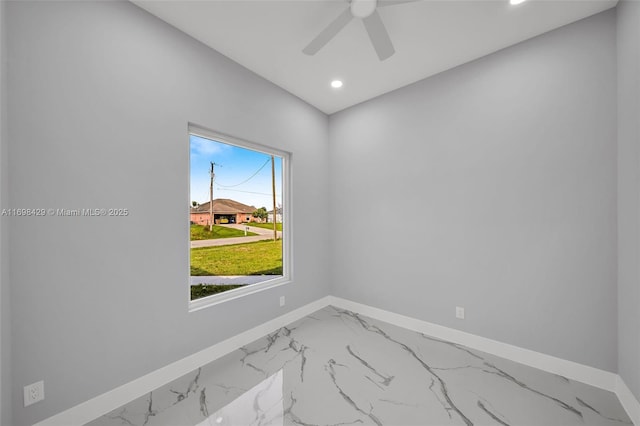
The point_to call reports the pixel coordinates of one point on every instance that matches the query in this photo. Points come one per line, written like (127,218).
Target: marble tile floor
(335,367)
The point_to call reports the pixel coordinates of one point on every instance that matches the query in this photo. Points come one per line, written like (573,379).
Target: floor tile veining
(336,367)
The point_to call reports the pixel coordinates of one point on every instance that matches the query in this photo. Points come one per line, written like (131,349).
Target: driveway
(254,229)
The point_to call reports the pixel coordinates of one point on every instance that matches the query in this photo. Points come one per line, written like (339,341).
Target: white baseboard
(569,369)
(628,401)
(109,401)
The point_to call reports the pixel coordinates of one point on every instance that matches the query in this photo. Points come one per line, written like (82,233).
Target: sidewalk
(263,234)
(228,241)
(232,279)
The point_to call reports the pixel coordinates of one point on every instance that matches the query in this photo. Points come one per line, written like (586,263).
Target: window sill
(215,299)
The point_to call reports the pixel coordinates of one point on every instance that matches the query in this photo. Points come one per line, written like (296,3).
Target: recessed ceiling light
(514,2)
(336,84)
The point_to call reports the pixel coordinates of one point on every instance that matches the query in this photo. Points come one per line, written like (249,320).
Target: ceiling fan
(367,11)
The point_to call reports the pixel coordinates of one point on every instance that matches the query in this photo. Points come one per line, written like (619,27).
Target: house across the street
(278,215)
(224,211)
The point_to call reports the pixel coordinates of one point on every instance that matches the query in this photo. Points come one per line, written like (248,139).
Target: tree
(194,204)
(261,213)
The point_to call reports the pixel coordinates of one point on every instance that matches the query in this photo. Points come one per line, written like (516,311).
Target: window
(238,217)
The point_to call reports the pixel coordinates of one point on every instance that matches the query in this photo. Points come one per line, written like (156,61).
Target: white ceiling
(430,36)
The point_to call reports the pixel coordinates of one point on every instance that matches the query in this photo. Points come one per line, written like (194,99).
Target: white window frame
(287,240)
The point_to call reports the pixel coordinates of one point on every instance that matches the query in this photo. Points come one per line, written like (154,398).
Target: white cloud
(205,147)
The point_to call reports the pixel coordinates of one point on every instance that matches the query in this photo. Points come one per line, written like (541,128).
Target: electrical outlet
(281,300)
(33,393)
(459,312)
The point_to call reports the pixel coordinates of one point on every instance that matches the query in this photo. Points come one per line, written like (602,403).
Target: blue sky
(233,173)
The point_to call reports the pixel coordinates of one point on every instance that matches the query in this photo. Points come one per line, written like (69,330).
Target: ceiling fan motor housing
(363,8)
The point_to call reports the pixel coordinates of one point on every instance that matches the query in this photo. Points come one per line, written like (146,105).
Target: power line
(247,192)
(248,179)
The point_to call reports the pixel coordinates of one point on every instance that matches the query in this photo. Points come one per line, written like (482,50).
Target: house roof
(224,206)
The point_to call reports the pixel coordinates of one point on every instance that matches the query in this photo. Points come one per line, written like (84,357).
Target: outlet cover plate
(33,393)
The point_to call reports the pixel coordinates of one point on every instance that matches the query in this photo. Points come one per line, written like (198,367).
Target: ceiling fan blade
(328,33)
(379,36)
(384,3)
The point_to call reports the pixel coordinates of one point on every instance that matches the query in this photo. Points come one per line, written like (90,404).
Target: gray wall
(491,186)
(101,93)
(506,165)
(629,193)
(5,331)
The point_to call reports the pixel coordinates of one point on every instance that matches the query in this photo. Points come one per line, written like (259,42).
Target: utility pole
(211,199)
(273,190)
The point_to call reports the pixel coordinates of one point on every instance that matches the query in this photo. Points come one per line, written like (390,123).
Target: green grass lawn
(258,258)
(266,225)
(203,290)
(200,232)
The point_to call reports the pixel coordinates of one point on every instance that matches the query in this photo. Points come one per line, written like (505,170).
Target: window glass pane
(236,216)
